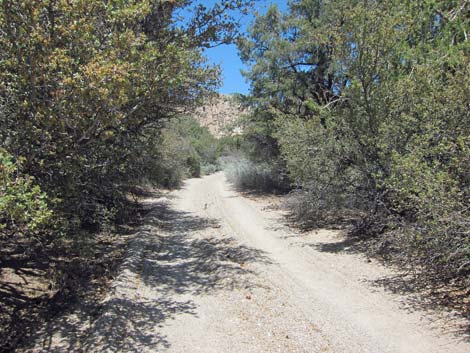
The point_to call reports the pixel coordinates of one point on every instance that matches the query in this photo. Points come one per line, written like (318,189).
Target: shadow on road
(420,294)
(417,291)
(184,263)
(173,258)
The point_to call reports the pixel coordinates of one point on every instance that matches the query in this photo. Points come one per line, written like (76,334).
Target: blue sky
(227,55)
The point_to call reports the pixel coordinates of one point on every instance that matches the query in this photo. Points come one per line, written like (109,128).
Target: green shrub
(247,175)
(183,149)
(209,169)
(23,207)
(86,86)
(428,182)
(367,106)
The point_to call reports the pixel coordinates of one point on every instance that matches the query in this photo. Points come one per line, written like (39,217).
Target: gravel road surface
(215,271)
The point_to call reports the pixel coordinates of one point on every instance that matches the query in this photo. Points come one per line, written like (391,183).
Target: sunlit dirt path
(214,271)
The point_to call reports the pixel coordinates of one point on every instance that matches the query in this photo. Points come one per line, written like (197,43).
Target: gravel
(214,271)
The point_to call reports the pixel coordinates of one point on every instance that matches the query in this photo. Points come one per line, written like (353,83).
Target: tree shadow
(23,267)
(42,280)
(417,290)
(174,259)
(417,293)
(121,325)
(181,263)
(347,245)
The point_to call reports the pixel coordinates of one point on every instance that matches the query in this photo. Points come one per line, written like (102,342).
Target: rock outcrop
(220,115)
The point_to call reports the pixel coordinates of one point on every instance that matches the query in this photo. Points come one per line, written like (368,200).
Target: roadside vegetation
(362,109)
(359,109)
(94,101)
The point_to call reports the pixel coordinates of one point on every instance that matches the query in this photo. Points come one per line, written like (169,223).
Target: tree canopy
(366,103)
(87,85)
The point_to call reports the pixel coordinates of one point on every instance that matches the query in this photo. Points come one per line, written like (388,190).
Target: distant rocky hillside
(219,115)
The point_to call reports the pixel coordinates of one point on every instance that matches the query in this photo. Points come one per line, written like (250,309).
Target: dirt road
(214,271)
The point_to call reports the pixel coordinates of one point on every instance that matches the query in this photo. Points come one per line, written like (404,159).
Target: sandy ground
(213,271)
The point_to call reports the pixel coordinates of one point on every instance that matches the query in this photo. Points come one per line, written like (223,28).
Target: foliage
(247,175)
(88,89)
(183,149)
(203,143)
(23,207)
(87,85)
(366,103)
